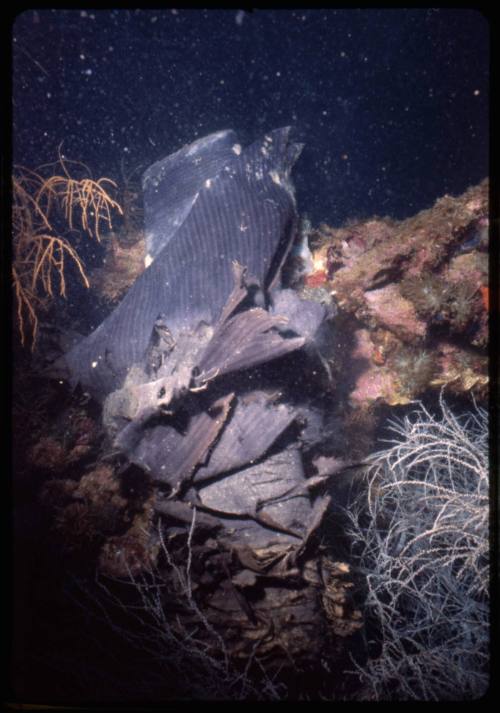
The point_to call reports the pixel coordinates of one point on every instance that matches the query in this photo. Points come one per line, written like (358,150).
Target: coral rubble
(408,287)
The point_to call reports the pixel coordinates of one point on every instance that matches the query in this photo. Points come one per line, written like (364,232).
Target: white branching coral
(420,535)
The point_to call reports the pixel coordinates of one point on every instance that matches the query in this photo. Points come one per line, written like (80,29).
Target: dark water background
(391,104)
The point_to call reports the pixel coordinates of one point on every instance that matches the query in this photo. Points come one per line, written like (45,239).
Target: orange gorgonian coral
(40,255)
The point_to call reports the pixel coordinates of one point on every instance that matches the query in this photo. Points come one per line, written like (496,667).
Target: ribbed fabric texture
(245,213)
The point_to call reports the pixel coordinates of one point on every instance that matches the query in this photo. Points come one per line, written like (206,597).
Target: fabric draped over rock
(182,364)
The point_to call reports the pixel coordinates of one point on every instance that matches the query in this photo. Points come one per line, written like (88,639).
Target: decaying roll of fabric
(196,372)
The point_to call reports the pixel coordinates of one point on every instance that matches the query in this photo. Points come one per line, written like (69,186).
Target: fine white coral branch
(420,535)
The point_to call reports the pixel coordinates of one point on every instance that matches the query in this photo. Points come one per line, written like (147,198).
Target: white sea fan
(420,537)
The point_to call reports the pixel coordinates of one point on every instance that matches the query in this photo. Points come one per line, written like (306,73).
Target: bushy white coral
(420,535)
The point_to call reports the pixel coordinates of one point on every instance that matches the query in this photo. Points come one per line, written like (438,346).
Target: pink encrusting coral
(373,384)
(407,286)
(390,310)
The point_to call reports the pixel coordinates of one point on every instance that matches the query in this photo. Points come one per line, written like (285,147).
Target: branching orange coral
(39,254)
(91,198)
